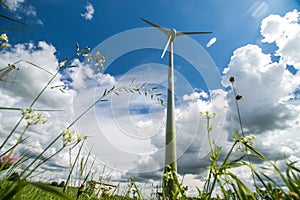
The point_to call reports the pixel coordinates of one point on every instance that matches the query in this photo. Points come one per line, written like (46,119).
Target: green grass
(30,192)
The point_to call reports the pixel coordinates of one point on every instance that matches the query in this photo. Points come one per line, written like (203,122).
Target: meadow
(221,183)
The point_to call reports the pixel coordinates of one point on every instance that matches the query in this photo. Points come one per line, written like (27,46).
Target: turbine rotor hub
(172,34)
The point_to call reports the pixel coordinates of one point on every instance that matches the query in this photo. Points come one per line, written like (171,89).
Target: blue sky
(231,22)
(255,41)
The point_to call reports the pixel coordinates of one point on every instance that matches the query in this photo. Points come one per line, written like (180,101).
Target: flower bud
(238,97)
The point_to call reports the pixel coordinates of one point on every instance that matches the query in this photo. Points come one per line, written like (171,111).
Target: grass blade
(47,188)
(12,19)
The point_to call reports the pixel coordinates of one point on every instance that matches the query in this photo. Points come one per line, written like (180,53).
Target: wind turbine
(170,151)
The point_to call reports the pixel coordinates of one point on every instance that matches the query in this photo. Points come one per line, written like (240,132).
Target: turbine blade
(191,33)
(167,45)
(165,31)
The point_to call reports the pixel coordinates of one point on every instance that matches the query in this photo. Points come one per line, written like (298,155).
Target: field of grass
(30,192)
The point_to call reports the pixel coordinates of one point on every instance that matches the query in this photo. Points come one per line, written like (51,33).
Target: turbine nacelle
(172,34)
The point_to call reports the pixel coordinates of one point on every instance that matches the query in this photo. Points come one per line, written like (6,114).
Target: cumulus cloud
(14,5)
(30,79)
(269,88)
(195,95)
(89,14)
(285,33)
(266,87)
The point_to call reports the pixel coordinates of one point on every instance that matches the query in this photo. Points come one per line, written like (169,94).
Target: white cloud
(29,79)
(88,15)
(266,87)
(142,124)
(195,95)
(106,79)
(20,7)
(285,32)
(211,42)
(14,5)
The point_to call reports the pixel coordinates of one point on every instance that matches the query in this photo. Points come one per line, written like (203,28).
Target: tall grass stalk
(72,167)
(237,98)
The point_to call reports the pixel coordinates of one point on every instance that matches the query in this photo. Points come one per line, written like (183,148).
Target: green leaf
(71,66)
(132,81)
(12,19)
(111,89)
(236,133)
(144,84)
(50,189)
(104,93)
(162,102)
(63,63)
(13,189)
(243,191)
(39,67)
(7,108)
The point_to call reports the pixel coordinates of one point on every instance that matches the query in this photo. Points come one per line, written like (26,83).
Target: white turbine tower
(170,148)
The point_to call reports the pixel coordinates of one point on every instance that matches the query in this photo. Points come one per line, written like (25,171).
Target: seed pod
(238,97)
(231,79)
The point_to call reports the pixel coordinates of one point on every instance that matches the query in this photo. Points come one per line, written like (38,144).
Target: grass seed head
(33,117)
(67,135)
(239,97)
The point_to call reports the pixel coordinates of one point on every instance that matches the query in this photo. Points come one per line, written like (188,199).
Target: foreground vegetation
(30,192)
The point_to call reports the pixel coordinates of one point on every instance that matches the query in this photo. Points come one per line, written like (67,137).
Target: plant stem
(242,130)
(71,170)
(238,110)
(223,164)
